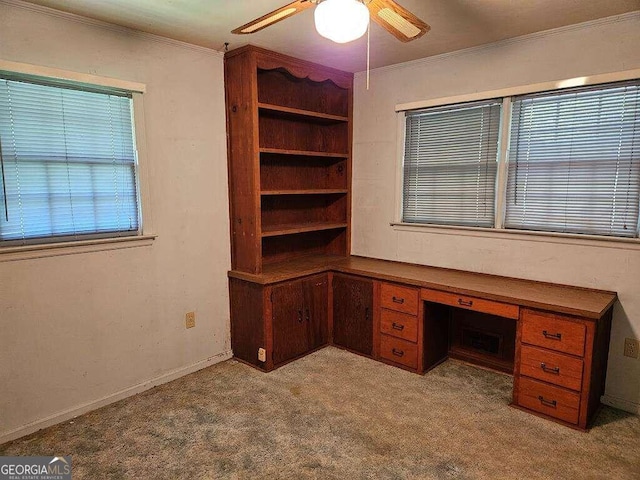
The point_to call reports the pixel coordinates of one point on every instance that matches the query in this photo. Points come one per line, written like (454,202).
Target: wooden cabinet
(299,317)
(400,328)
(289,125)
(290,329)
(561,365)
(287,320)
(353,313)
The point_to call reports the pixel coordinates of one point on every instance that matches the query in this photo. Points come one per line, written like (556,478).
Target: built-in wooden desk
(553,338)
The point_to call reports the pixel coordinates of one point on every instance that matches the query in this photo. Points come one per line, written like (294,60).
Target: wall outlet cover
(631,347)
(190,319)
(262,355)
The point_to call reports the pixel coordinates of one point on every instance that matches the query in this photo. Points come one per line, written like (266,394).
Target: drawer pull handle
(398,300)
(552,336)
(548,403)
(397,326)
(465,303)
(398,353)
(555,370)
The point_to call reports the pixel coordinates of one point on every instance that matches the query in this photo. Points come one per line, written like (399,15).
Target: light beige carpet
(334,415)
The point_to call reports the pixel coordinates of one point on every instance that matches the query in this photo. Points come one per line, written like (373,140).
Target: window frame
(507,96)
(51,246)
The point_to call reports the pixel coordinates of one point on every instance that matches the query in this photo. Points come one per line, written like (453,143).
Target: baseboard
(621,404)
(114,397)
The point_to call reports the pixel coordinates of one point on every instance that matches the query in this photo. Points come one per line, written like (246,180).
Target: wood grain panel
(483,339)
(436,334)
(552,367)
(471,303)
(278,87)
(549,400)
(289,134)
(399,351)
(598,374)
(283,249)
(290,330)
(247,327)
(375,8)
(353,313)
(242,139)
(316,300)
(290,172)
(399,298)
(399,325)
(291,210)
(555,332)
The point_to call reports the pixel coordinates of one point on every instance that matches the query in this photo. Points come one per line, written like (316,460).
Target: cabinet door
(290,330)
(316,299)
(353,313)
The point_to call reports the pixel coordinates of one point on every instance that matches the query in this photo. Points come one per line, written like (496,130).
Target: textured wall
(79,328)
(606,46)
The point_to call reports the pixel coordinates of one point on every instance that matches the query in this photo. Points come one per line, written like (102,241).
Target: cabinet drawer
(553,401)
(399,325)
(553,331)
(551,367)
(471,303)
(400,299)
(399,351)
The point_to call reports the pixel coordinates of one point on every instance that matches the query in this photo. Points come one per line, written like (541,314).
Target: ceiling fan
(343,21)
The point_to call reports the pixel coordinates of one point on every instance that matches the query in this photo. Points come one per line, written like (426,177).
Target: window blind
(68,162)
(574,161)
(450,164)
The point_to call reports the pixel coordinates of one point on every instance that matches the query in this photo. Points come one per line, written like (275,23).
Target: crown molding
(109,26)
(625,17)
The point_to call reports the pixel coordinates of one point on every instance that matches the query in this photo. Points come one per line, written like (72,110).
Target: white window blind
(68,163)
(574,161)
(450,164)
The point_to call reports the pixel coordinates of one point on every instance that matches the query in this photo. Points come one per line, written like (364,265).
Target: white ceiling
(455,24)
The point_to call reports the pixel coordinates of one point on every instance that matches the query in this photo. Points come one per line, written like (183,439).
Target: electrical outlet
(631,347)
(262,355)
(190,319)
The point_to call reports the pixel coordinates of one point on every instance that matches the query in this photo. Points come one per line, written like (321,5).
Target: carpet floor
(335,415)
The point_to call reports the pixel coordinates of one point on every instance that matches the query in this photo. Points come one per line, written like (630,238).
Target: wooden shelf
(325,191)
(278,230)
(302,153)
(292,268)
(301,126)
(297,113)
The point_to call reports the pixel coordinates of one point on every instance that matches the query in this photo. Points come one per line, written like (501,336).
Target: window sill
(523,235)
(28,252)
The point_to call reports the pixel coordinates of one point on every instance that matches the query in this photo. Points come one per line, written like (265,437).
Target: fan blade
(397,20)
(273,17)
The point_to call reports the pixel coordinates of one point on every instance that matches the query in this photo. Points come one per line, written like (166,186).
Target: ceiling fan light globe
(342,21)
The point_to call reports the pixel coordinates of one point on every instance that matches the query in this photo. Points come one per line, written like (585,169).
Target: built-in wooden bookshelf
(289,128)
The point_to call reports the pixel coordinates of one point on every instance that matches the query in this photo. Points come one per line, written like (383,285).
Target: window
(69,168)
(450,165)
(572,163)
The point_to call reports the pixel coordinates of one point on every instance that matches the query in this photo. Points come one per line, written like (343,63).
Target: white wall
(609,45)
(82,328)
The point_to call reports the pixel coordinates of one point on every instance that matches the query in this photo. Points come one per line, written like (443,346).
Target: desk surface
(570,300)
